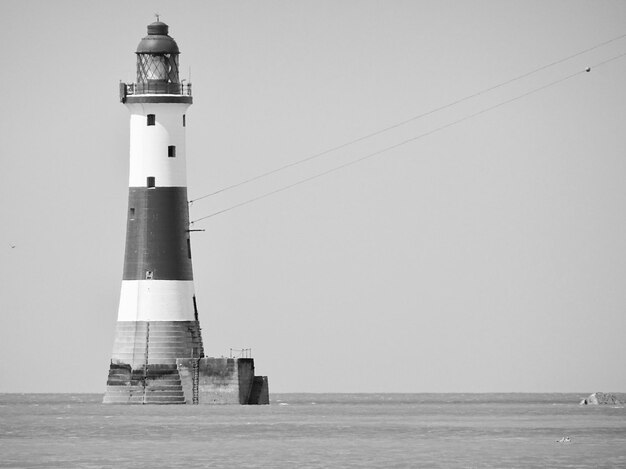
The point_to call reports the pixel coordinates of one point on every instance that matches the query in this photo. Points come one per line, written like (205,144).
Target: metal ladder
(195,379)
(145,366)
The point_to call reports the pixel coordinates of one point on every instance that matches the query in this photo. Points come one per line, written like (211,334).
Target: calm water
(314,431)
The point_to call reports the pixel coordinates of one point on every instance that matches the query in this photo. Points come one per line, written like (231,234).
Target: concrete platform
(222,381)
(187,381)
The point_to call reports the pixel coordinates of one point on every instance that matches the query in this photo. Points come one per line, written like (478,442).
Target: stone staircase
(163,385)
(143,366)
(154,384)
(124,385)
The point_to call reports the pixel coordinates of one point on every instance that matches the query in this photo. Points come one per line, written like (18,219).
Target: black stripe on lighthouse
(156,234)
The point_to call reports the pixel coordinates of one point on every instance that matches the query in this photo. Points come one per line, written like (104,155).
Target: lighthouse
(158,355)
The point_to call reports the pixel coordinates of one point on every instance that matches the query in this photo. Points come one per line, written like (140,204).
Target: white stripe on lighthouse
(156,300)
(149,144)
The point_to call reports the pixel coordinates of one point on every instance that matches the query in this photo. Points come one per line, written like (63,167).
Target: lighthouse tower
(158,357)
(157,320)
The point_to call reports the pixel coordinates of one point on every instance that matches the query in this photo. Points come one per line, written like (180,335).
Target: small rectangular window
(171,151)
(188,248)
(150,119)
(132,213)
(150,181)
(195,307)
(149,274)
(184,120)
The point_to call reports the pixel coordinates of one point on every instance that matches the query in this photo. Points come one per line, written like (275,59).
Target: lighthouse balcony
(155,87)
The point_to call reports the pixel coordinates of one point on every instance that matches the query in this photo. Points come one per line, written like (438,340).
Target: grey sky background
(489,256)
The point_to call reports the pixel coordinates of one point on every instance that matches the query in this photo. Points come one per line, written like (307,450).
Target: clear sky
(488,256)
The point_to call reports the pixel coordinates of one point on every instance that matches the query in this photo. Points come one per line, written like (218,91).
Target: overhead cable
(406,121)
(412,139)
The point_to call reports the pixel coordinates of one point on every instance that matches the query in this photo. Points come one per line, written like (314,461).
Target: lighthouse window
(149,274)
(171,151)
(184,120)
(150,119)
(132,213)
(195,307)
(188,248)
(150,181)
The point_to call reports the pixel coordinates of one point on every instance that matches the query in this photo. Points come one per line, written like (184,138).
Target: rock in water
(601,398)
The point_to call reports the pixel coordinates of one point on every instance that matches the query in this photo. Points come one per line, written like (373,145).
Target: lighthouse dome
(157,41)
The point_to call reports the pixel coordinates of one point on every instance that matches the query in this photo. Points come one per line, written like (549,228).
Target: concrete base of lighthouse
(189,381)
(222,381)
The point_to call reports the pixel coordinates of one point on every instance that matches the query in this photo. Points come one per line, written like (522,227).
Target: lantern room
(157,56)
(157,65)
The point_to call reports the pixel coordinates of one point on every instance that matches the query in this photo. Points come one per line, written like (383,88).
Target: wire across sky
(406,121)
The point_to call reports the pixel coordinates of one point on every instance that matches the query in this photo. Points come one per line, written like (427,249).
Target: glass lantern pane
(161,67)
(157,68)
(173,68)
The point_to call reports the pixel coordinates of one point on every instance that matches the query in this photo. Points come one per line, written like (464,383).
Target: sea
(315,431)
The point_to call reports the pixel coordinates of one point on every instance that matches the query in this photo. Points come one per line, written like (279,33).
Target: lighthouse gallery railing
(129,89)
